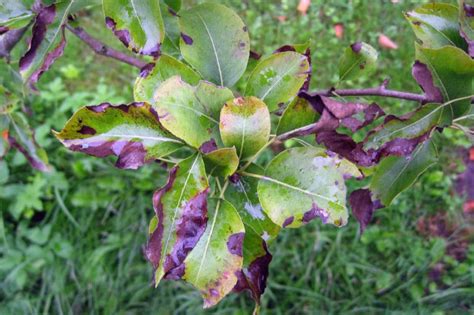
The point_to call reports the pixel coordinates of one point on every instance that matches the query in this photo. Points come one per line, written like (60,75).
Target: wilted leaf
(421,122)
(47,43)
(154,74)
(453,72)
(363,207)
(299,113)
(137,24)
(395,174)
(215,41)
(222,162)
(301,184)
(360,59)
(278,78)
(182,216)
(130,132)
(436,25)
(245,124)
(21,137)
(214,262)
(185,110)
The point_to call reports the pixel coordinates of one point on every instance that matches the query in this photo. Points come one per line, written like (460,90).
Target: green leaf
(301,184)
(436,25)
(222,162)
(180,204)
(466,21)
(130,132)
(164,68)
(137,23)
(298,114)
(212,265)
(360,59)
(213,97)
(48,41)
(278,78)
(421,122)
(185,110)
(215,41)
(22,137)
(453,71)
(14,15)
(172,34)
(243,196)
(174,4)
(245,124)
(395,174)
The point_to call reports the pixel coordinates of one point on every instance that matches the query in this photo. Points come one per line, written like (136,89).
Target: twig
(377,91)
(102,49)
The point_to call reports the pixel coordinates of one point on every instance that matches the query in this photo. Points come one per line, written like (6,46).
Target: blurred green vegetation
(71,240)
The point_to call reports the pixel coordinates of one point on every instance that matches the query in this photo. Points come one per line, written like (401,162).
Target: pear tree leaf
(299,113)
(138,24)
(360,59)
(222,162)
(215,41)
(245,124)
(278,78)
(130,132)
(466,21)
(13,15)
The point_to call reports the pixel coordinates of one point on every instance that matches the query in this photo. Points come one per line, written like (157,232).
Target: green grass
(72,240)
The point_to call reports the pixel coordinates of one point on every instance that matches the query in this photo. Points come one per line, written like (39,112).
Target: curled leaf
(363,207)
(131,132)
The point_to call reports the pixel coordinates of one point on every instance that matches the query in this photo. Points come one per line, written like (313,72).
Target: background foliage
(71,239)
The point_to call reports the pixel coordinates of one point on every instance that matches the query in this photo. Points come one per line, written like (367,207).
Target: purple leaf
(423,76)
(363,207)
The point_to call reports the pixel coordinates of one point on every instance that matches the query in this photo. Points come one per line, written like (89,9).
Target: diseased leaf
(299,113)
(185,110)
(214,262)
(222,162)
(138,24)
(436,25)
(172,34)
(21,137)
(13,15)
(130,132)
(278,78)
(421,73)
(395,174)
(242,193)
(466,21)
(363,207)
(213,97)
(421,122)
(154,74)
(182,216)
(453,72)
(245,124)
(47,43)
(301,184)
(215,41)
(360,59)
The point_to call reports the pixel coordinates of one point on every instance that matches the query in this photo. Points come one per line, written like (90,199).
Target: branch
(377,91)
(102,49)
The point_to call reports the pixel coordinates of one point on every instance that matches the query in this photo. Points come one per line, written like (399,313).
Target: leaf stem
(256,155)
(102,49)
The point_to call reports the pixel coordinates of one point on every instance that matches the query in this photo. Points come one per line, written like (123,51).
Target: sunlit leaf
(301,184)
(181,211)
(436,25)
(130,132)
(245,124)
(137,24)
(215,41)
(278,78)
(186,111)
(214,262)
(395,174)
(154,74)
(360,59)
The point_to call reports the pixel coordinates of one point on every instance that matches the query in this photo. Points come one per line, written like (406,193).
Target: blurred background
(71,240)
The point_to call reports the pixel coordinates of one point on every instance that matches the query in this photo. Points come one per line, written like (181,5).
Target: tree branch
(377,91)
(102,49)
